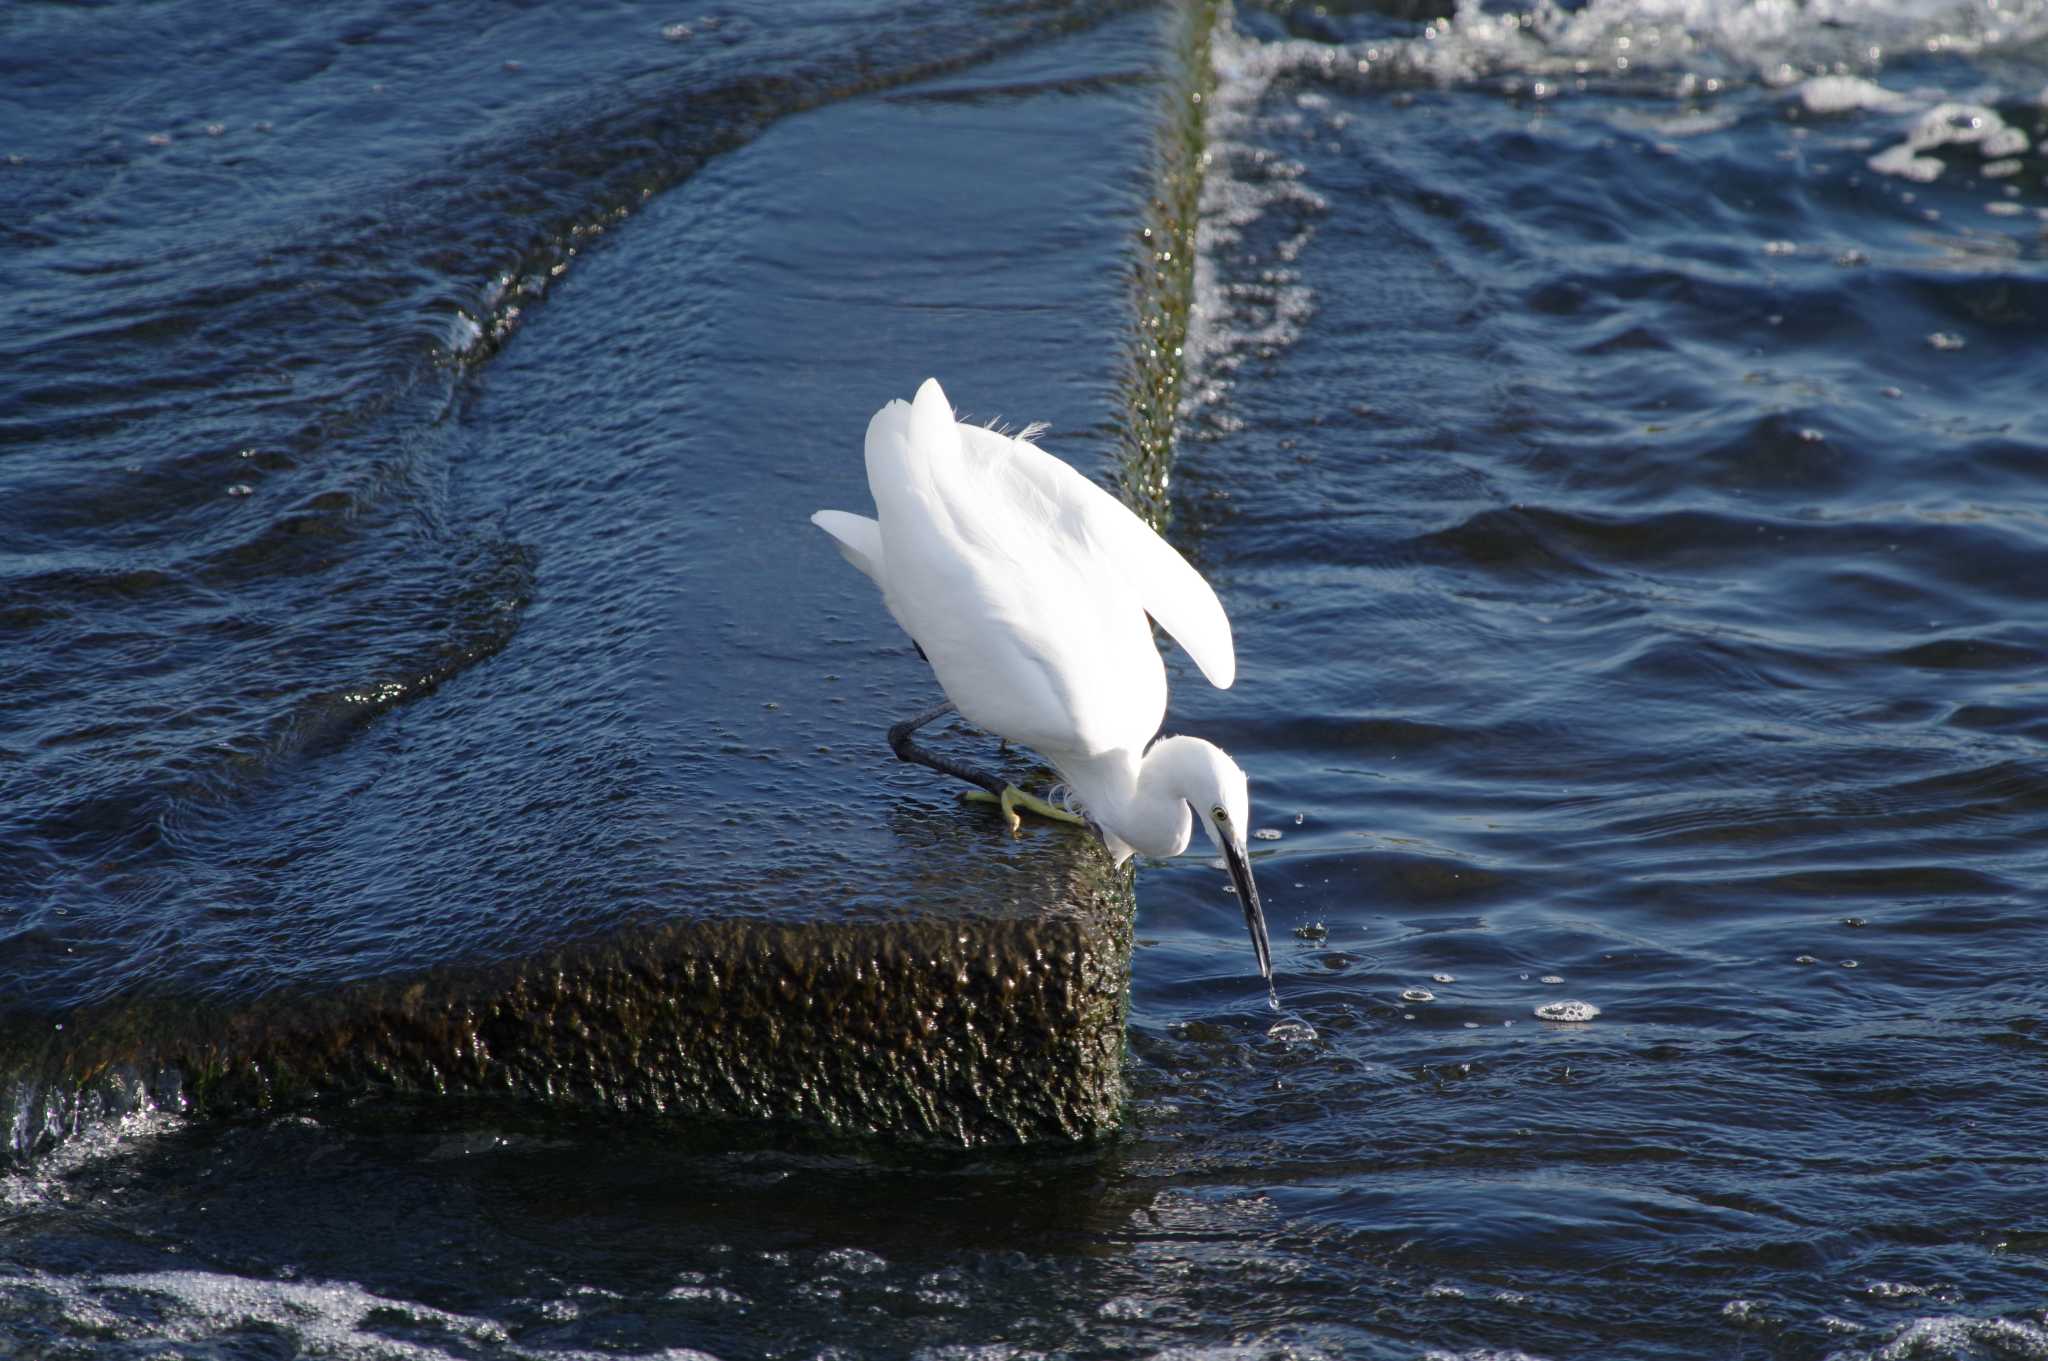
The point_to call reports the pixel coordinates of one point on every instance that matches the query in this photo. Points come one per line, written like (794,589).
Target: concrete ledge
(982,1029)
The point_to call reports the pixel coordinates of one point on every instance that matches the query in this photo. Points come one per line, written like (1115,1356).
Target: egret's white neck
(1141,803)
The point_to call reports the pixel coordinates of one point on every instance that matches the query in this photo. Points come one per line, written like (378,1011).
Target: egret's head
(1218,793)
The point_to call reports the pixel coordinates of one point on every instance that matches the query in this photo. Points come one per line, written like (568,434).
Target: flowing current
(1615,429)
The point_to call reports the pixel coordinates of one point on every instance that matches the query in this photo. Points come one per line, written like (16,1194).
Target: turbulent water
(1616,430)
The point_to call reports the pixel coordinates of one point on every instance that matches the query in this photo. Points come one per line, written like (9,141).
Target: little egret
(1026,587)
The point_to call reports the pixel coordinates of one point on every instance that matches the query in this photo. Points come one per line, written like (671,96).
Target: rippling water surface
(1616,430)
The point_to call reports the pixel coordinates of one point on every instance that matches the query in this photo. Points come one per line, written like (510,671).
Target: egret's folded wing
(858,537)
(1172,592)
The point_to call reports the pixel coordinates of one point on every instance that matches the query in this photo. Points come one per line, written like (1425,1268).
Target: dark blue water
(1616,432)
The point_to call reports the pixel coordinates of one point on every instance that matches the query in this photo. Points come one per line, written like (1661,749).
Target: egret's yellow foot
(1014,798)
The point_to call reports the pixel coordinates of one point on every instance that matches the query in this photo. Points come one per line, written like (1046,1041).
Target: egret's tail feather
(858,537)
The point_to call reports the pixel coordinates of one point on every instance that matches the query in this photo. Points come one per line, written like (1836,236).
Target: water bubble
(1550,978)
(1291,1032)
(1806,959)
(1567,1011)
(1267,833)
(241,489)
(1312,930)
(1444,978)
(1945,340)
(1300,818)
(1781,247)
(1892,1290)
(1848,963)
(1417,995)
(853,1261)
(676,33)
(1893,393)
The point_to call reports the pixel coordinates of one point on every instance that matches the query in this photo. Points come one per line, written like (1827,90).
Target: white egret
(1026,587)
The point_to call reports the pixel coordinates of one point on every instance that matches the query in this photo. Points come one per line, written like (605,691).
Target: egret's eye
(1218,813)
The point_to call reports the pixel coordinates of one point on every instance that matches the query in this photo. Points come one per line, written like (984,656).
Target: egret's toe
(1005,803)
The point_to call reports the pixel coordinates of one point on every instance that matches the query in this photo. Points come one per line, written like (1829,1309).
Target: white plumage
(1027,588)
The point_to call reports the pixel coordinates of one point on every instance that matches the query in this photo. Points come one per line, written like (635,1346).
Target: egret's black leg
(906,749)
(999,792)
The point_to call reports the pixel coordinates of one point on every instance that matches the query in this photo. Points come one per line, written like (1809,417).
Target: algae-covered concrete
(992,1018)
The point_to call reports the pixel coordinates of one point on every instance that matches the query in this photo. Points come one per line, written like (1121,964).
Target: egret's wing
(858,537)
(1171,591)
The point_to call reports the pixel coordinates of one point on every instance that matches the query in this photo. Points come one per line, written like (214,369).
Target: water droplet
(241,489)
(1567,1011)
(1312,930)
(1548,978)
(1945,340)
(1417,995)
(1806,959)
(1291,1032)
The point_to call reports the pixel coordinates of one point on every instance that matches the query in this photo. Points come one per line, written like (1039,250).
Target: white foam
(1697,46)
(1846,94)
(1262,308)
(1950,124)
(328,1318)
(1950,1335)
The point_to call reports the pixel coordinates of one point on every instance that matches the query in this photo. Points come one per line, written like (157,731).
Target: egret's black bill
(1254,915)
